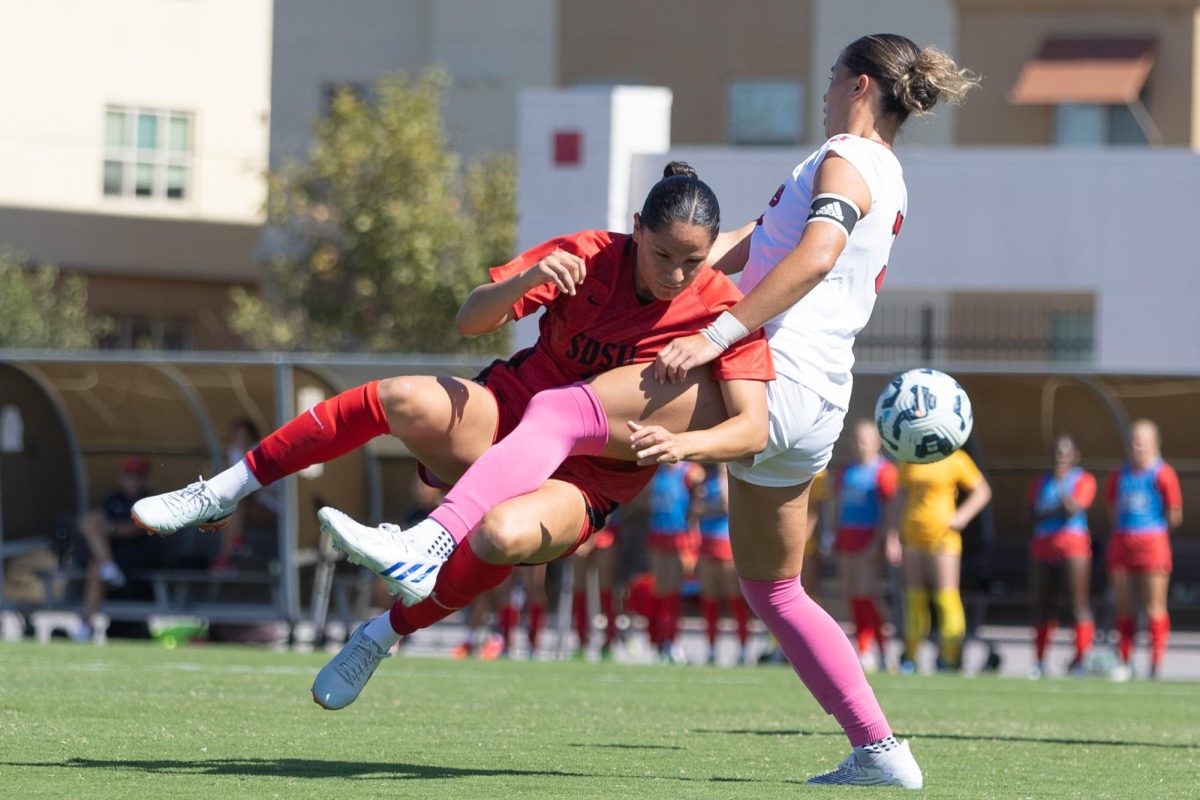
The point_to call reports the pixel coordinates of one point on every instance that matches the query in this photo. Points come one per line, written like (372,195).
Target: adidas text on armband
(834,209)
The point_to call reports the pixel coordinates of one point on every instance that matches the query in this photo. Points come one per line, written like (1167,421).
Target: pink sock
(557,423)
(821,655)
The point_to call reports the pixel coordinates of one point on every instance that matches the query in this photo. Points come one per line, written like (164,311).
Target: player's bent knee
(402,398)
(505,537)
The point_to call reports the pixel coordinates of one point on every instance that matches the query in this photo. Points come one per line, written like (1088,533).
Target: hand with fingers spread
(565,270)
(656,445)
(684,353)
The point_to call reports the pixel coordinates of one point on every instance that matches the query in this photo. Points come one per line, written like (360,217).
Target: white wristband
(725,330)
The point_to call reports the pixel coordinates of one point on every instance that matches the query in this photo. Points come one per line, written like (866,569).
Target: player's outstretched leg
(407,563)
(195,505)
(343,678)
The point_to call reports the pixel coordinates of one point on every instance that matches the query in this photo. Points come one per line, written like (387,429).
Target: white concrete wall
(1119,223)
(491,51)
(839,22)
(64,61)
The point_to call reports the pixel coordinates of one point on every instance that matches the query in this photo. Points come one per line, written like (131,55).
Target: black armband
(834,209)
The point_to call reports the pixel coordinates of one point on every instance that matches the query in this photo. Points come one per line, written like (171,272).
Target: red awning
(1101,71)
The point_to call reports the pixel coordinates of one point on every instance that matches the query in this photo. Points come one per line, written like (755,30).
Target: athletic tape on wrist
(725,330)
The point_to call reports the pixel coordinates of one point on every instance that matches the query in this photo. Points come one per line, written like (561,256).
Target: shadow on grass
(962,737)
(621,746)
(308,768)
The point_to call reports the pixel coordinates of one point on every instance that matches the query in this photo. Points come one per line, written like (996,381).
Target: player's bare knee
(403,400)
(504,537)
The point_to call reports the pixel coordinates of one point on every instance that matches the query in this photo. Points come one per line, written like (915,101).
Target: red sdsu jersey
(605,325)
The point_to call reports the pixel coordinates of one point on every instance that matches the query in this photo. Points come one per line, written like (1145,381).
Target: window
(147,333)
(765,112)
(147,153)
(1091,125)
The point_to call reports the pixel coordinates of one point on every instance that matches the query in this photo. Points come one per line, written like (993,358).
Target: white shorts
(804,429)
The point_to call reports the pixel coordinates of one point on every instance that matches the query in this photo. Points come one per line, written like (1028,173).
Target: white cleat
(195,505)
(406,565)
(896,767)
(341,681)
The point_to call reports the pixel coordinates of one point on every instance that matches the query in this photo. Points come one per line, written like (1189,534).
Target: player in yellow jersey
(930,523)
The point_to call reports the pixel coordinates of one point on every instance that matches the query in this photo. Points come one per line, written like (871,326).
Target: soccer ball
(923,416)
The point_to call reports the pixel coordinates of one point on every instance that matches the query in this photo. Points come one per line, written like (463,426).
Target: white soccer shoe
(405,564)
(341,681)
(194,505)
(896,767)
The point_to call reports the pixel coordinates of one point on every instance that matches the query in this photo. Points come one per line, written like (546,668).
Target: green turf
(132,720)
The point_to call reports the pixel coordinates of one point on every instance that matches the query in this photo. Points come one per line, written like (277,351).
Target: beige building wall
(696,48)
(996,37)
(65,61)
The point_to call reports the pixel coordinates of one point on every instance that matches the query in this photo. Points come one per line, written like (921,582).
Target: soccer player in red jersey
(1146,504)
(1062,547)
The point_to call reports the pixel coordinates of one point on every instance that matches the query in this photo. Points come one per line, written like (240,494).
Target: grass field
(133,720)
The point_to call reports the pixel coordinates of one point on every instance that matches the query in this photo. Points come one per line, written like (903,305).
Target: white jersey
(812,341)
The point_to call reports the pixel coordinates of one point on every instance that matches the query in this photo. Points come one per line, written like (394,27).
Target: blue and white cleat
(408,566)
(896,767)
(341,681)
(194,505)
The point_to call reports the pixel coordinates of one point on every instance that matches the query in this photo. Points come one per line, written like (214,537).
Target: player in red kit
(1146,505)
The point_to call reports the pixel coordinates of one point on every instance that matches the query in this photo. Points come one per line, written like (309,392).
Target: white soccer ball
(923,416)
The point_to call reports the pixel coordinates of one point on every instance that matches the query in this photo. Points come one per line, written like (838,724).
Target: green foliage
(384,233)
(41,308)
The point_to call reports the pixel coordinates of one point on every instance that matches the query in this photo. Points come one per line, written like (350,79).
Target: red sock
(462,578)
(580,612)
(508,616)
(1125,645)
(674,604)
(1085,632)
(329,429)
(1160,631)
(1041,638)
(876,622)
(537,617)
(610,616)
(864,631)
(712,613)
(741,615)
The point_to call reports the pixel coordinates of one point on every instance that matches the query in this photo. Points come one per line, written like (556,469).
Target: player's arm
(743,434)
(1172,496)
(892,548)
(837,183)
(977,497)
(490,306)
(731,250)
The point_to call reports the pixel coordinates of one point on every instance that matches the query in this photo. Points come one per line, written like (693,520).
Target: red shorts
(1139,552)
(716,547)
(1058,547)
(853,540)
(679,542)
(604,538)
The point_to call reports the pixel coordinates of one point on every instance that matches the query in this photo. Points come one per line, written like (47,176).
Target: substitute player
(668,537)
(864,489)
(597,556)
(1146,505)
(931,524)
(1061,548)
(714,568)
(813,265)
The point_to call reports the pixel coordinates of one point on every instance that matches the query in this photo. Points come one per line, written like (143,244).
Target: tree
(41,308)
(381,233)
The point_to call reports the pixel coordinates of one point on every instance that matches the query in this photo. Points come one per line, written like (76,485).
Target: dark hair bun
(679,168)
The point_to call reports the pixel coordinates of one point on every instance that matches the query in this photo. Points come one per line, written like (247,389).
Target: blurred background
(215,212)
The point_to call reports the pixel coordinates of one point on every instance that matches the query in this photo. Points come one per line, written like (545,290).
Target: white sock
(436,539)
(234,483)
(380,629)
